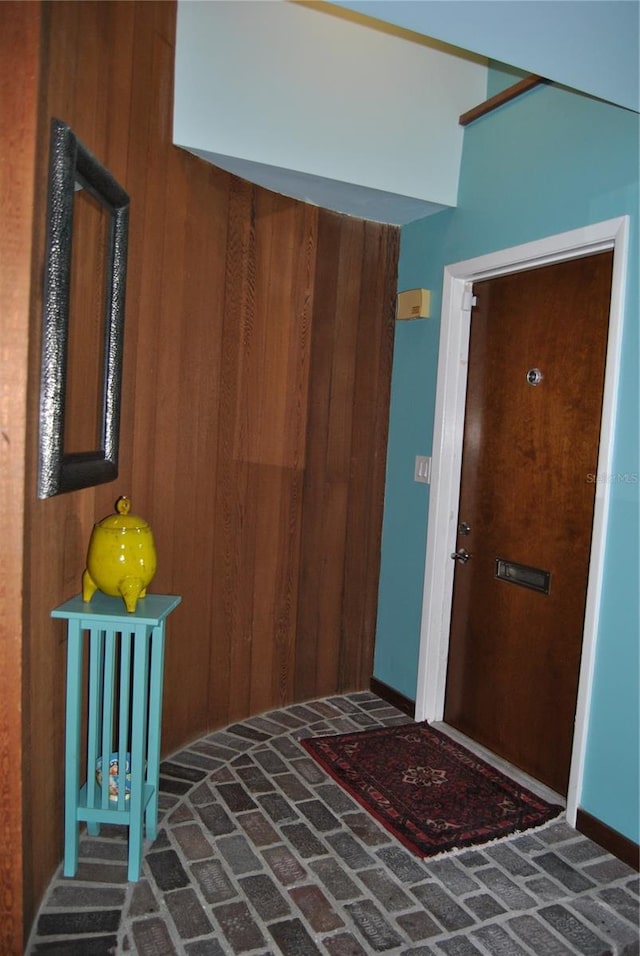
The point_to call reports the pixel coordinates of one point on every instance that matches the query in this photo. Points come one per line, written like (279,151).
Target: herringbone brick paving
(260,853)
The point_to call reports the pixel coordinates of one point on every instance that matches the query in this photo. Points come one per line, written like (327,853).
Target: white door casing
(447,459)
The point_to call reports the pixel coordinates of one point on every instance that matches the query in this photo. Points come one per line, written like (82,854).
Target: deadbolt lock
(461,555)
(534,376)
(463,528)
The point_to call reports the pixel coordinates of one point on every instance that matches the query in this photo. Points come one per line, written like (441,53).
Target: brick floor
(259,853)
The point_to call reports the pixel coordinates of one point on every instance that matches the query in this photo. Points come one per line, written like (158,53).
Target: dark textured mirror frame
(70,162)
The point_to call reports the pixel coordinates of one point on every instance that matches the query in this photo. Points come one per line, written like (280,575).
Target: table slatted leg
(138,748)
(94,716)
(124,716)
(155,712)
(108,696)
(72,765)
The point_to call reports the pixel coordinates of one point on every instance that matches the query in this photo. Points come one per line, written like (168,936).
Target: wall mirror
(83,319)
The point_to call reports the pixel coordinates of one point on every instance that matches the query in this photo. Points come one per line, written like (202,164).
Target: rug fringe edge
(458,850)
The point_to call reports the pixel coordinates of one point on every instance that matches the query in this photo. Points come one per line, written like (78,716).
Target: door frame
(447,460)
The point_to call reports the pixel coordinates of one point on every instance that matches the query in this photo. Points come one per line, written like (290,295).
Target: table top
(151,609)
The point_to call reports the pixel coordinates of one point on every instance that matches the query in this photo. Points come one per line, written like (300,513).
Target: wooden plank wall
(258,348)
(19,57)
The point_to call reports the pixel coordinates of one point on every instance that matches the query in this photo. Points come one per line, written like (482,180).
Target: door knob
(461,555)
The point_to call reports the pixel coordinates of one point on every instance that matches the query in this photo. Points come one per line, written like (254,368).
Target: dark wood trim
(393,697)
(625,849)
(504,96)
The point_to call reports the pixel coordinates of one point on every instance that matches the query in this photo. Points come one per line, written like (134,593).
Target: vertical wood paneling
(318,620)
(86,331)
(19,58)
(341,428)
(346,443)
(371,399)
(232,604)
(197,358)
(257,360)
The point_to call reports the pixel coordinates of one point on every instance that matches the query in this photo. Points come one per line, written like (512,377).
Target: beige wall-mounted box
(413,304)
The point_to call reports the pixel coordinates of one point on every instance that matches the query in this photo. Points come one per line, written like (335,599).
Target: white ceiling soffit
(311,101)
(589,45)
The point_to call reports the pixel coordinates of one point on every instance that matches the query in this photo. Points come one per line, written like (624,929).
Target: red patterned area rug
(434,795)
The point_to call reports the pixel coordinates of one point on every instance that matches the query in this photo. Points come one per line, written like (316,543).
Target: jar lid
(122,520)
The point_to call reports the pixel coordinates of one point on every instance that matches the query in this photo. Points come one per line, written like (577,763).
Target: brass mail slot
(533,578)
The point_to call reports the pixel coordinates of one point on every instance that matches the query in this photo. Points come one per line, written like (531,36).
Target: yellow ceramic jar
(122,557)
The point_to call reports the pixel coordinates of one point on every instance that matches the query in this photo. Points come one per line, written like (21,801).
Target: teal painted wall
(549,162)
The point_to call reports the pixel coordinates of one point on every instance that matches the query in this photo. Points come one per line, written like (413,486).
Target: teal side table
(124,708)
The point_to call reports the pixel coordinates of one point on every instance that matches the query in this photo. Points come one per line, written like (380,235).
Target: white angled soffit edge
(348,198)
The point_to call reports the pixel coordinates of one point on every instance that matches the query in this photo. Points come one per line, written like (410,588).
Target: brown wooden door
(527,495)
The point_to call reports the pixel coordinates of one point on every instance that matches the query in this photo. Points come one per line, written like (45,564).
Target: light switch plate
(422,470)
